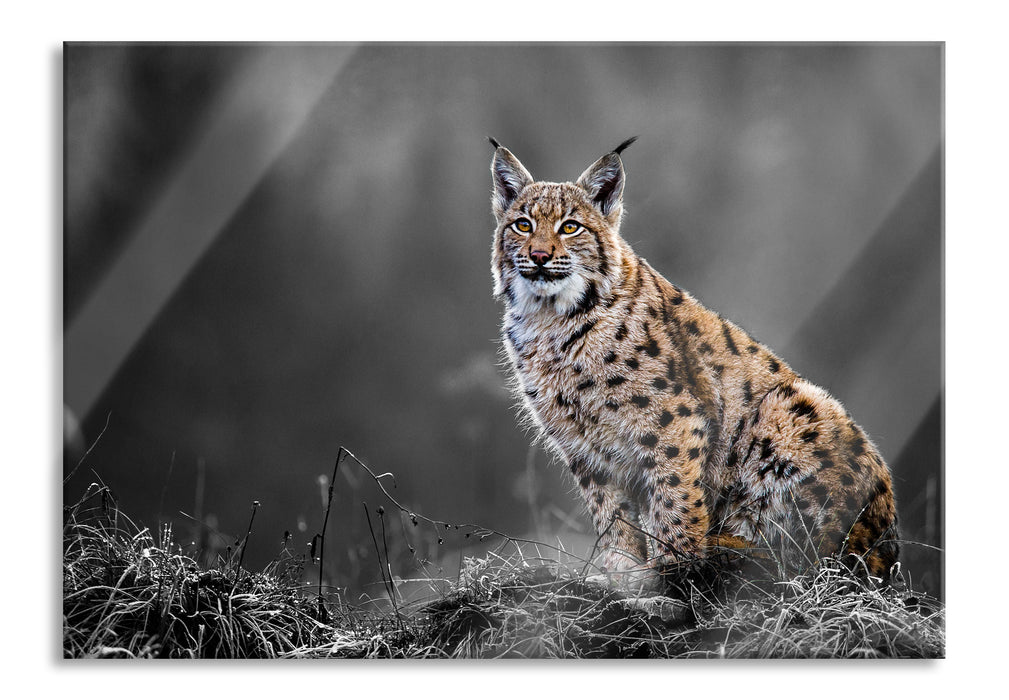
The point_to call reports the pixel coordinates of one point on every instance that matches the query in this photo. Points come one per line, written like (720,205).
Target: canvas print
(504,350)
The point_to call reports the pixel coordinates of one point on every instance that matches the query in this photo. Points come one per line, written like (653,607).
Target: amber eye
(523,226)
(570,227)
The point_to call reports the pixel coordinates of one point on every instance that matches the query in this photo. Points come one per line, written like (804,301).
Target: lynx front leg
(674,512)
(615,518)
(675,515)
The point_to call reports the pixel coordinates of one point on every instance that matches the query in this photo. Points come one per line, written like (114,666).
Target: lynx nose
(540,257)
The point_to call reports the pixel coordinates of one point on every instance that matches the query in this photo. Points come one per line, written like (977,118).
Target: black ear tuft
(620,149)
(495,144)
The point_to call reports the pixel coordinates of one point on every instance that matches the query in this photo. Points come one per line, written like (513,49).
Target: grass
(131,593)
(518,608)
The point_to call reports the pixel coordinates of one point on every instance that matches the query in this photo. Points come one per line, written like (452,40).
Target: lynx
(684,434)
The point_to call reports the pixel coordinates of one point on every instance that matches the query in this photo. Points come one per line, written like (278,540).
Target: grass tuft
(128,593)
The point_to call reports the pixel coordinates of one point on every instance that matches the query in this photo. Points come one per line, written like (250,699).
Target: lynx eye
(523,226)
(570,227)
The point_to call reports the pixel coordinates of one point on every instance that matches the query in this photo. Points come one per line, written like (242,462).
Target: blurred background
(271,251)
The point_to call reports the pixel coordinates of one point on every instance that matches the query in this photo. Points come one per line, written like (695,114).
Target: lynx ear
(604,180)
(510,178)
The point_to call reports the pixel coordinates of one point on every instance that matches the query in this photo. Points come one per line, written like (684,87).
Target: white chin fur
(562,294)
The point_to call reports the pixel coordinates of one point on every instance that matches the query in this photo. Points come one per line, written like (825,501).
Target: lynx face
(556,244)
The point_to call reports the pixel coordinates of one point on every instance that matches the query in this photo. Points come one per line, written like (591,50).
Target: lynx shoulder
(683,432)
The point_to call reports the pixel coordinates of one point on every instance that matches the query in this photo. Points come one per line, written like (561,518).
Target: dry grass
(131,594)
(832,614)
(514,608)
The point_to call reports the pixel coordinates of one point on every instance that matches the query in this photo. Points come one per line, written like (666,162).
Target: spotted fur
(682,431)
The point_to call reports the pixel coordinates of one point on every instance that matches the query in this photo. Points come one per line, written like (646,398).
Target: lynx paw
(624,573)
